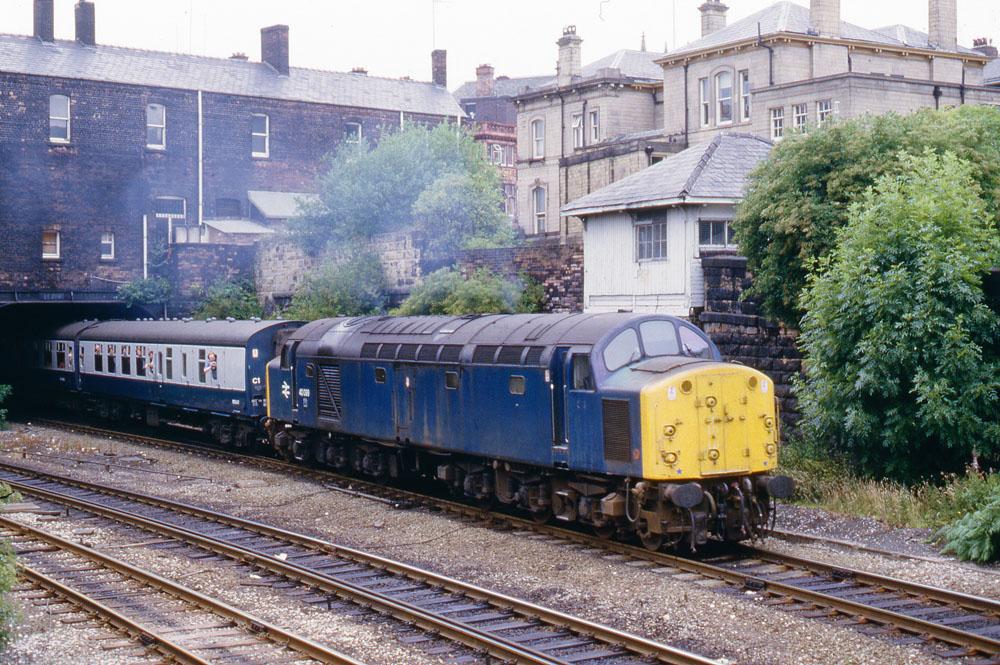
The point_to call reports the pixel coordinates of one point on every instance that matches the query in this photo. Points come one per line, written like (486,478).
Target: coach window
(583,377)
(516,385)
(47,355)
(170,363)
(140,361)
(380,375)
(112,359)
(451,380)
(98,358)
(202,374)
(184,365)
(126,359)
(60,355)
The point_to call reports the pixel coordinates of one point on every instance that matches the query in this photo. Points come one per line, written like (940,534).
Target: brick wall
(743,335)
(556,263)
(192,268)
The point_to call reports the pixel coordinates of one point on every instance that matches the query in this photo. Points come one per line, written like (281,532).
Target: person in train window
(149,363)
(212,365)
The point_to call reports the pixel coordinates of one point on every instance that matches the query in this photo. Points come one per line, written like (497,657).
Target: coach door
(403,402)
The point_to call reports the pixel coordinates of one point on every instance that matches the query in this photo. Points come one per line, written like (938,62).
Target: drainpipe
(687,112)
(937,97)
(562,156)
(770,56)
(201,167)
(145,246)
(961,88)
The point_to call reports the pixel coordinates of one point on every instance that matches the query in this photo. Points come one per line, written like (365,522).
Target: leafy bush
(152,291)
(901,354)
(353,287)
(433,180)
(5,392)
(447,291)
(8,574)
(798,198)
(224,299)
(976,536)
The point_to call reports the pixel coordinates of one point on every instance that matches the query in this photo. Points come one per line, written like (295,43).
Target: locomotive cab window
(451,380)
(516,385)
(583,377)
(622,350)
(693,344)
(659,338)
(380,375)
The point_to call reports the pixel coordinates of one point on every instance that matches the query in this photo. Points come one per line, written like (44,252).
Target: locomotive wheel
(651,541)
(606,531)
(542,516)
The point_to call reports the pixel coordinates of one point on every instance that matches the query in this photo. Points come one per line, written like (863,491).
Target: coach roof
(114,64)
(217,333)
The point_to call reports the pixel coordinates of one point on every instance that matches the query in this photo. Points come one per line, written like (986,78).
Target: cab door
(403,400)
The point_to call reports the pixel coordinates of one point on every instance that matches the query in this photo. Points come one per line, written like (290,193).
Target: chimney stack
(943,32)
(274,47)
(439,67)
(44,20)
(824,17)
(569,56)
(713,17)
(85,23)
(985,46)
(484,81)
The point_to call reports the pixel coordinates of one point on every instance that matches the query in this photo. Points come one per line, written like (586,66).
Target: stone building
(789,67)
(488,103)
(588,126)
(117,163)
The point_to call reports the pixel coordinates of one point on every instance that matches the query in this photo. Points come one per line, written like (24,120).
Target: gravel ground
(669,608)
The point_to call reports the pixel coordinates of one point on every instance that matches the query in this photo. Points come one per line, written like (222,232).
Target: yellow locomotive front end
(710,437)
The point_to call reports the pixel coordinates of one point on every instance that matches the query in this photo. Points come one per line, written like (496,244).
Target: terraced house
(116,163)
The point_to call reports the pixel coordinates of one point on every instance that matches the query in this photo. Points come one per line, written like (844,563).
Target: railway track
(949,623)
(175,621)
(501,626)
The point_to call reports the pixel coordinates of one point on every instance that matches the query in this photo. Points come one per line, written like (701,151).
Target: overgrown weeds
(8,575)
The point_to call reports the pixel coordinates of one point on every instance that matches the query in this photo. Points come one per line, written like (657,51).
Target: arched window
(156,126)
(724,98)
(59,119)
(538,138)
(538,199)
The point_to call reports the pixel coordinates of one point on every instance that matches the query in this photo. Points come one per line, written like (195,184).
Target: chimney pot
(484,81)
(239,56)
(44,20)
(86,31)
(359,70)
(943,24)
(985,46)
(439,67)
(713,18)
(569,56)
(274,47)
(824,17)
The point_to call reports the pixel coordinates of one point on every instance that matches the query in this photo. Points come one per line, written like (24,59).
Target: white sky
(394,37)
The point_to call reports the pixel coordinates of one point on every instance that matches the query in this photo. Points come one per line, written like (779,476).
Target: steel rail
(917,626)
(122,623)
(446,627)
(274,634)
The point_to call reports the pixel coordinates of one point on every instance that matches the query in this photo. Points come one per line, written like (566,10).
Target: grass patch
(8,575)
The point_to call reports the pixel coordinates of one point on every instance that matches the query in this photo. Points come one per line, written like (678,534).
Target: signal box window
(516,385)
(583,377)
(451,380)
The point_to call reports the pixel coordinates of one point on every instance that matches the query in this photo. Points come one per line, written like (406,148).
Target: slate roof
(716,170)
(991,73)
(791,17)
(279,205)
(21,54)
(636,65)
(504,86)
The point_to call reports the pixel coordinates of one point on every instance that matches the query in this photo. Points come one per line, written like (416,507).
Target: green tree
(229,299)
(352,287)
(902,358)
(434,180)
(155,291)
(798,199)
(447,291)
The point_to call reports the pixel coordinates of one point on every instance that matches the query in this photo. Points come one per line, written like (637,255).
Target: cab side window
(583,377)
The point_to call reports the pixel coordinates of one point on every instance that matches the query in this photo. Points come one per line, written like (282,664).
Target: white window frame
(800,117)
(162,145)
(595,126)
(496,154)
(540,217)
(704,103)
(727,234)
(578,130)
(68,119)
(266,134)
(659,249)
(745,110)
(824,111)
(777,122)
(353,132)
(108,237)
(719,99)
(58,253)
(538,138)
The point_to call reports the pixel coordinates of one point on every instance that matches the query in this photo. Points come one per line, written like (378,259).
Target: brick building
(114,161)
(489,105)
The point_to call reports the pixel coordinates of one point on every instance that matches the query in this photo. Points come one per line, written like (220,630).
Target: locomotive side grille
(428,352)
(483,355)
(450,353)
(510,355)
(369,350)
(407,352)
(534,355)
(617,430)
(388,351)
(329,401)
